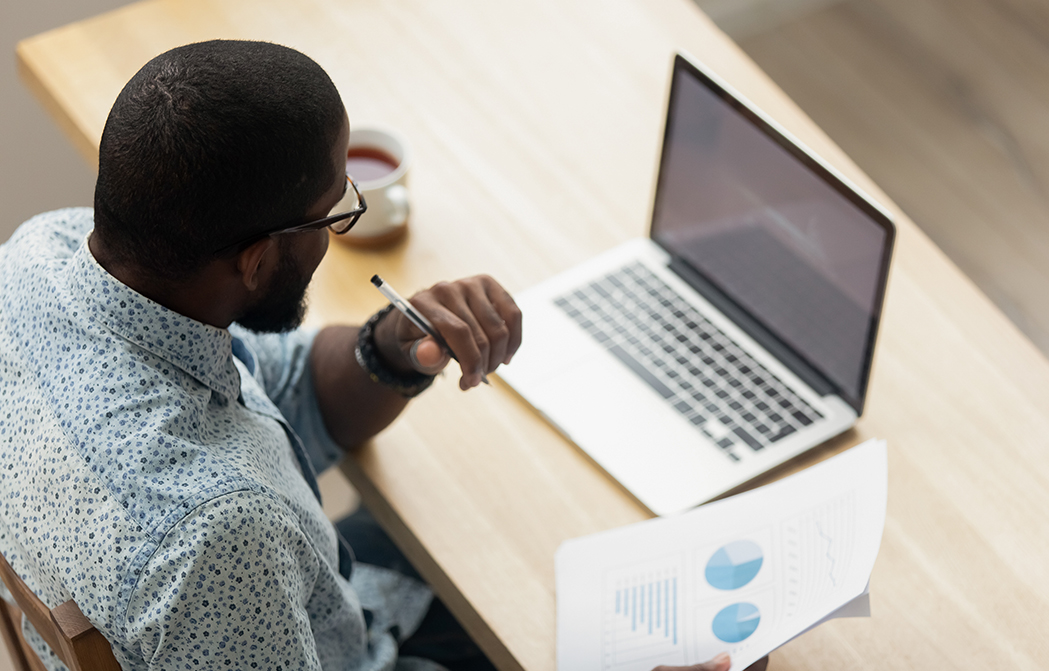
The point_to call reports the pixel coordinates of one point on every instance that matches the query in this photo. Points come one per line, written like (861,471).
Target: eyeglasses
(338,223)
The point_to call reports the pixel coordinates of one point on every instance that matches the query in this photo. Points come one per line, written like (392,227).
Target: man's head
(209,144)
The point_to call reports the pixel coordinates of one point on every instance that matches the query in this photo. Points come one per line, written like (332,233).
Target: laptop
(738,335)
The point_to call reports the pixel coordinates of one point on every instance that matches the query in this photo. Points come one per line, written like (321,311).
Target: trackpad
(629,429)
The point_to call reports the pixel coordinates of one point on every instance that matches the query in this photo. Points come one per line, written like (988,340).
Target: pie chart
(736,622)
(734,565)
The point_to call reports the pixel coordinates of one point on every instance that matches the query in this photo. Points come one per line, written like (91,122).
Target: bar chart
(642,617)
(652,605)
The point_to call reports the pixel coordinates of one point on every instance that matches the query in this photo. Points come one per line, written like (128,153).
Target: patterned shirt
(160,472)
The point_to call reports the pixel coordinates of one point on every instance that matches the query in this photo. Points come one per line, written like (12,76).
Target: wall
(39,170)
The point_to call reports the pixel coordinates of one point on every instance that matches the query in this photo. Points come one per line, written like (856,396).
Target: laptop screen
(780,235)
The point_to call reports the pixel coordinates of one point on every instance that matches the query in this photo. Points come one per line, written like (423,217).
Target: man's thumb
(427,356)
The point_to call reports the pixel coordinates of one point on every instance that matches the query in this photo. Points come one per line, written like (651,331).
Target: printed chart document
(743,575)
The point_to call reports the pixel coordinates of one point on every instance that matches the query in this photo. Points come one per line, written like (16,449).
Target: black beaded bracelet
(408,385)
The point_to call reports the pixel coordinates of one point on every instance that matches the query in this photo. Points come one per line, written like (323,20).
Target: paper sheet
(743,575)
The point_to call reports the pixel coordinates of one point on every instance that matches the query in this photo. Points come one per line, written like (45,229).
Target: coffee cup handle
(397,196)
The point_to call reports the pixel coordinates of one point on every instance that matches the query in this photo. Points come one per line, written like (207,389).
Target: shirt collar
(204,352)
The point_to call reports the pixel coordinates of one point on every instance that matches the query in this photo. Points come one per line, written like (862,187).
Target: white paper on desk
(743,575)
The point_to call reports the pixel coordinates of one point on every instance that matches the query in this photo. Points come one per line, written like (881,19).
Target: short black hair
(208,144)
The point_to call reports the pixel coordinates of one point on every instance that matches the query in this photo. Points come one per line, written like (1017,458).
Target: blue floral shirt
(160,473)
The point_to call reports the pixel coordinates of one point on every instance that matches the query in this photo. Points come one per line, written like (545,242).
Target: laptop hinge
(776,347)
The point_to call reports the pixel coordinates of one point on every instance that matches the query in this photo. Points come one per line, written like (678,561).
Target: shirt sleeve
(283,369)
(228,588)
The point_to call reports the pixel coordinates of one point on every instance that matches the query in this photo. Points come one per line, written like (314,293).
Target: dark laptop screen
(780,235)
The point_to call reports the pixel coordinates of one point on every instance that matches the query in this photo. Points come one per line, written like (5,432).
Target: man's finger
(448,312)
(508,310)
(427,356)
(719,663)
(488,318)
(478,320)
(456,298)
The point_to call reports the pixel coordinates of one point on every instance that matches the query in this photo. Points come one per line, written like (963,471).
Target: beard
(283,305)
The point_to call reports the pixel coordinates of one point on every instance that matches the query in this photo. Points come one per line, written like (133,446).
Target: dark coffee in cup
(365,164)
(378,159)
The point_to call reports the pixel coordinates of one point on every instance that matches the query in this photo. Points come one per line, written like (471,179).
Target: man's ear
(256,262)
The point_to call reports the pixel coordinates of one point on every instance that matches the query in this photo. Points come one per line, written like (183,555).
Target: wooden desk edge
(442,586)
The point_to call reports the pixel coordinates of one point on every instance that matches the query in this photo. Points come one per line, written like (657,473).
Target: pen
(415,317)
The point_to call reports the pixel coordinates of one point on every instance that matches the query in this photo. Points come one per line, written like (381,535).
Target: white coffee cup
(386,194)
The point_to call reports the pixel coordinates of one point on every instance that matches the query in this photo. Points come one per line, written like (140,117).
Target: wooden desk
(536,126)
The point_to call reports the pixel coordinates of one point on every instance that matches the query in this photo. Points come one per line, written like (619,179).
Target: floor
(39,169)
(945,104)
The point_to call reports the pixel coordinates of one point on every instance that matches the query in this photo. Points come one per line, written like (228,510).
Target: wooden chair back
(70,635)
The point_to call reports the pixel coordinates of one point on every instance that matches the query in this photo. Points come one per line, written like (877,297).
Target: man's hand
(476,317)
(719,663)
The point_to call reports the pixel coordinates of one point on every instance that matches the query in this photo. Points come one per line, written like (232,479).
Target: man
(162,420)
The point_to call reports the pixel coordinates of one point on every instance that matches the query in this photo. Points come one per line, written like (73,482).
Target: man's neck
(205,297)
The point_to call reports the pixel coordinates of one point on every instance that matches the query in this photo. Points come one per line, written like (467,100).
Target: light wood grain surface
(536,130)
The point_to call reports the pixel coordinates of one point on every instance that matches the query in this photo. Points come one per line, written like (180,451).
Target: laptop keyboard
(700,371)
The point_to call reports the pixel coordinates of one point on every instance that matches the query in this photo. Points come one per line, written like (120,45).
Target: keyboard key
(641,371)
(751,442)
(803,418)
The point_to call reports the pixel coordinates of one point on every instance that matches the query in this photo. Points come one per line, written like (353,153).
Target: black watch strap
(408,385)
